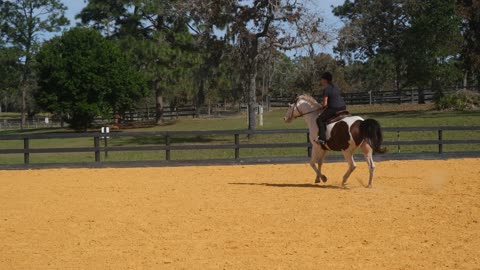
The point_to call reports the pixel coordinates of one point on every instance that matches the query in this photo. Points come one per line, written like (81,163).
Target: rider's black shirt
(335,100)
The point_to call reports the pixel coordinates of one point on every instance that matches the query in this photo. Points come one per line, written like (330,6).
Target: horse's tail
(372,133)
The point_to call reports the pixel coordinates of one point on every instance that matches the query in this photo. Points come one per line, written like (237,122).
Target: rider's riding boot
(321,133)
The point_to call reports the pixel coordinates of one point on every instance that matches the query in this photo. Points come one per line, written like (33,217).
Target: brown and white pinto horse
(345,135)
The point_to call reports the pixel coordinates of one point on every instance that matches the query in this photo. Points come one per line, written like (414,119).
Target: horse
(344,134)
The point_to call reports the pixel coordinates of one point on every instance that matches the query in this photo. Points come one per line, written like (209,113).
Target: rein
(302,114)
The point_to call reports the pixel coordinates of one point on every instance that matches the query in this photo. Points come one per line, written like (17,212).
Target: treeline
(415,44)
(129,53)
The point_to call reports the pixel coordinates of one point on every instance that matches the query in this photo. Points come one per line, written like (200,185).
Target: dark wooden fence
(389,97)
(406,96)
(168,112)
(138,115)
(366,98)
(36,123)
(235,146)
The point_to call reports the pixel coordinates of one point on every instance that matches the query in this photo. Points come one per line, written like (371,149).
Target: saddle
(338,116)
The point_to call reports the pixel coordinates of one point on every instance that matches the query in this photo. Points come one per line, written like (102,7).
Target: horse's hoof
(324,178)
(370,186)
(317,180)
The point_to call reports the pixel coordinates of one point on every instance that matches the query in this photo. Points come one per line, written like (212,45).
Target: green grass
(388,116)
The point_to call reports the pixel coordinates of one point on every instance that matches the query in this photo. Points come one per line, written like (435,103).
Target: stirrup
(320,141)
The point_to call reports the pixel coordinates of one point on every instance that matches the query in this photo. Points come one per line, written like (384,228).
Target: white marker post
(106,130)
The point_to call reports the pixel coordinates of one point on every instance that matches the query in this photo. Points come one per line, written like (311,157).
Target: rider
(332,102)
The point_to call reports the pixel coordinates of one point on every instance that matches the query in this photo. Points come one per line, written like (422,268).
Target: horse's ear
(295,98)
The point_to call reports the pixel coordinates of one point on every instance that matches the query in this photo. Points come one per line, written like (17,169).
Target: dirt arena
(419,215)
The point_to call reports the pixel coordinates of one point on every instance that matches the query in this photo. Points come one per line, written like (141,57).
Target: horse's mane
(309,99)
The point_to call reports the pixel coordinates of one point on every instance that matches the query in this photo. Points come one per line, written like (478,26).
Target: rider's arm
(326,94)
(325,102)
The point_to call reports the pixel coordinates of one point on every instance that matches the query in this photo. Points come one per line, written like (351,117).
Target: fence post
(237,146)
(398,140)
(309,148)
(167,144)
(440,141)
(26,153)
(96,144)
(105,131)
(106,147)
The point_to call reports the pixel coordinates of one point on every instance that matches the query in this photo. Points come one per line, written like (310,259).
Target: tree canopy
(83,75)
(421,39)
(22,23)
(206,52)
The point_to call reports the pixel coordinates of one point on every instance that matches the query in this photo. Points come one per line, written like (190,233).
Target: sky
(324,7)
(74,7)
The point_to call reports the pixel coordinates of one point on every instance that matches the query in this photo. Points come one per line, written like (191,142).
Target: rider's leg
(322,125)
(322,128)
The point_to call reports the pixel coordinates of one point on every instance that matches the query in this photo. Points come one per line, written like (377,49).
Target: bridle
(295,107)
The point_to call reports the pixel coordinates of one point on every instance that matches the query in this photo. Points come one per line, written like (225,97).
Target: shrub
(459,101)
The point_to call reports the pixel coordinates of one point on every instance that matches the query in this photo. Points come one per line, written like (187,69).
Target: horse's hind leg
(351,165)
(368,154)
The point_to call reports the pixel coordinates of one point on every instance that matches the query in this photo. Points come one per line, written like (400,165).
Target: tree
(155,34)
(104,15)
(178,39)
(377,73)
(374,28)
(257,25)
(83,75)
(23,23)
(277,73)
(10,71)
(210,49)
(420,38)
(469,11)
(309,70)
(433,41)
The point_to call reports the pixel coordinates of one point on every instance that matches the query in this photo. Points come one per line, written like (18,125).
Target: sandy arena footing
(419,215)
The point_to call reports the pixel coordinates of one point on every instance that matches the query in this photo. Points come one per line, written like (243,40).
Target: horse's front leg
(323,153)
(318,156)
(313,163)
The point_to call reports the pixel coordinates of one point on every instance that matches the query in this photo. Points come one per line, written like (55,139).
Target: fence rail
(236,146)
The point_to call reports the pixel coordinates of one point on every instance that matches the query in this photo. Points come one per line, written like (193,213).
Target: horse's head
(292,111)
(301,105)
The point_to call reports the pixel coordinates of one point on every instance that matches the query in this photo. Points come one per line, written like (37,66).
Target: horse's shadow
(288,185)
